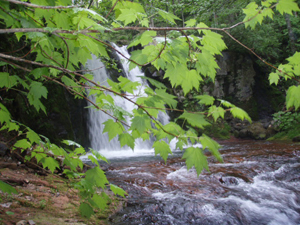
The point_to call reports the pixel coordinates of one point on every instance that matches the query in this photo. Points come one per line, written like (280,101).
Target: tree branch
(91,81)
(40,6)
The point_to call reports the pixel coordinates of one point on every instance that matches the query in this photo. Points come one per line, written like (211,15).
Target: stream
(258,183)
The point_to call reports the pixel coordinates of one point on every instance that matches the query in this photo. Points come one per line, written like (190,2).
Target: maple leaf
(287,6)
(112,128)
(239,113)
(216,112)
(162,148)
(140,123)
(273,78)
(212,146)
(206,99)
(293,97)
(195,157)
(126,139)
(50,163)
(196,120)
(117,190)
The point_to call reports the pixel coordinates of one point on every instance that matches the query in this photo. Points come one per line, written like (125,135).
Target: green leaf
(162,148)
(71,143)
(37,90)
(147,37)
(86,210)
(50,163)
(287,6)
(251,15)
(7,188)
(273,78)
(212,146)
(39,72)
(117,191)
(295,59)
(206,99)
(190,23)
(226,103)
(196,120)
(98,155)
(112,128)
(7,81)
(168,16)
(92,13)
(23,143)
(167,98)
(95,177)
(4,114)
(189,81)
(195,157)
(93,160)
(216,112)
(293,97)
(140,123)
(155,83)
(32,136)
(101,202)
(127,16)
(126,139)
(239,113)
(127,85)
(10,213)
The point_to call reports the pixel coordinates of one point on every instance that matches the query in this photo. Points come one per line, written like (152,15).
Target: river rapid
(258,183)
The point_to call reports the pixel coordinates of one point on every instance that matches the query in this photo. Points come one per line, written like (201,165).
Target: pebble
(21,222)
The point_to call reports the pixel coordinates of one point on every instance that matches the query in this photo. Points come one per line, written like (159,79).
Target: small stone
(6,205)
(21,222)
(31,222)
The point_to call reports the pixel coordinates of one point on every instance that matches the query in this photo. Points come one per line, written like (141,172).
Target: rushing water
(100,141)
(258,183)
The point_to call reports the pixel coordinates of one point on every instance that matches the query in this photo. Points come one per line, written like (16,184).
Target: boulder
(255,131)
(296,139)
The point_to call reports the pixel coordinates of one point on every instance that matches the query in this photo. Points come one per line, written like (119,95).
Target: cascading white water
(100,141)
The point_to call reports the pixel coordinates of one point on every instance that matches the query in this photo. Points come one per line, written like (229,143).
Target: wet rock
(255,131)
(296,139)
(3,149)
(229,181)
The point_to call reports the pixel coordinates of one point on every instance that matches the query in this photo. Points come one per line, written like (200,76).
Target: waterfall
(100,141)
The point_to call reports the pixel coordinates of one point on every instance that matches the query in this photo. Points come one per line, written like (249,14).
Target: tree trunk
(151,19)
(291,33)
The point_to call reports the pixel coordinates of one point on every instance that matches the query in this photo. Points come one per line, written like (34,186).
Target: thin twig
(260,58)
(112,9)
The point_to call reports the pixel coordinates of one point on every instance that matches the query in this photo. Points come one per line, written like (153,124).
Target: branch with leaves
(64,37)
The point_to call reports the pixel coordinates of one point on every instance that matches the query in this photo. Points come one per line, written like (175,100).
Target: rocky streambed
(258,183)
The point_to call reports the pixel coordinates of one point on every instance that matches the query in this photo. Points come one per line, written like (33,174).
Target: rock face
(235,77)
